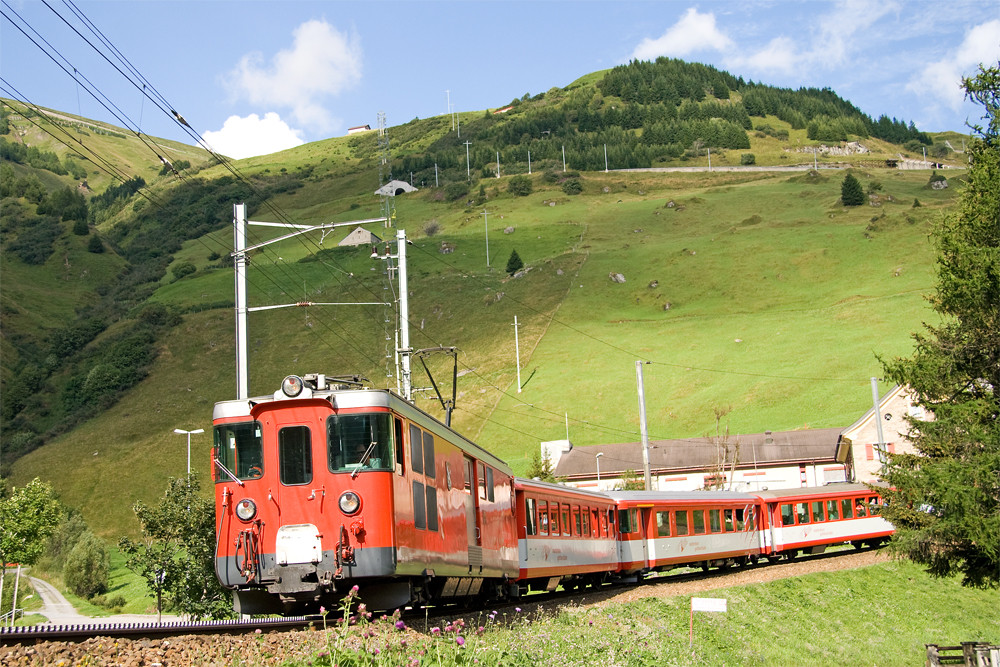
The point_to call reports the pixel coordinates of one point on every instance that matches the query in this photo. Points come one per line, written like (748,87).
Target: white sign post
(704,604)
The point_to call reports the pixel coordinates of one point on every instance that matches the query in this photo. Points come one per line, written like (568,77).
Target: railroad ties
(971,654)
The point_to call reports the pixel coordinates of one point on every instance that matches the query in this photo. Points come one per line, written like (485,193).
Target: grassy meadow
(780,301)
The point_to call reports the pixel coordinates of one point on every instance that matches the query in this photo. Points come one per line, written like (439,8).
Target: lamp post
(189,434)
(597,457)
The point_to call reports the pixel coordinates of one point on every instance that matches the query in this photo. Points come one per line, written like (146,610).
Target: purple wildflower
(517,609)
(435,631)
(400,625)
(460,640)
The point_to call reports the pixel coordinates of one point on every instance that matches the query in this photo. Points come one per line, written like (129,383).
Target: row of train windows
(353,442)
(552,518)
(671,523)
(829,510)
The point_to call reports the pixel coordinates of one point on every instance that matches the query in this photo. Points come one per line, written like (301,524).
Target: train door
(473,518)
(296,500)
(645,525)
(774,531)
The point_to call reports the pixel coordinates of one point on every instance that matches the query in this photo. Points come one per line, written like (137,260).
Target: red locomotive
(322,486)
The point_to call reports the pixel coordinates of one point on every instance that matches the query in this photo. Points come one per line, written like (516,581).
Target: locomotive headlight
(292,386)
(246,509)
(349,502)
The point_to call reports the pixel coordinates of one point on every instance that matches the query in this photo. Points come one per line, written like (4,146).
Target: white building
(360,236)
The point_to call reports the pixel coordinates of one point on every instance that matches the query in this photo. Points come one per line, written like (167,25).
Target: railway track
(30,635)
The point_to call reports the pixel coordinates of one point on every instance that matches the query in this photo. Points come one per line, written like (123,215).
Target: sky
(252,77)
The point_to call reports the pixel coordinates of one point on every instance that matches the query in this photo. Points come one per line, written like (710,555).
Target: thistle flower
(460,640)
(400,625)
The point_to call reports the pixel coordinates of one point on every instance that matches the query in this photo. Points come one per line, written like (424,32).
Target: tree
(541,468)
(851,193)
(88,567)
(94,245)
(514,264)
(177,552)
(28,516)
(630,481)
(944,500)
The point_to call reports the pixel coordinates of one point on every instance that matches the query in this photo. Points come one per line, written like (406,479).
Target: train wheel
(704,566)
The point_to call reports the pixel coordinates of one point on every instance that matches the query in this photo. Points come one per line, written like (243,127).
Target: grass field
(780,302)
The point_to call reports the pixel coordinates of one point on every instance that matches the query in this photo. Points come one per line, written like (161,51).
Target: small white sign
(708,604)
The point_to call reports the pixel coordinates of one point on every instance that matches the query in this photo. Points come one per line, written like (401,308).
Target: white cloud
(780,55)
(694,32)
(942,79)
(321,62)
(253,135)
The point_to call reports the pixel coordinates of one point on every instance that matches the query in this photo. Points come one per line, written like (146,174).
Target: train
(328,484)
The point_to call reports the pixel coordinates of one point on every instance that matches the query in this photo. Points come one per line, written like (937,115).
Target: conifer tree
(944,500)
(851,193)
(514,264)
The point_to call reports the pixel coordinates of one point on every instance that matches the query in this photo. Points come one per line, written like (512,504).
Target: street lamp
(189,434)
(597,457)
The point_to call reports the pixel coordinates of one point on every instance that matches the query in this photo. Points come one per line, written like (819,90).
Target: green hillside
(753,293)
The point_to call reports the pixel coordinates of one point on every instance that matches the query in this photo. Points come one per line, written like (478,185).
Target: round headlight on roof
(349,502)
(292,385)
(246,509)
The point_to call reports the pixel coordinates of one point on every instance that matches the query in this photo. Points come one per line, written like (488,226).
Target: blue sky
(256,76)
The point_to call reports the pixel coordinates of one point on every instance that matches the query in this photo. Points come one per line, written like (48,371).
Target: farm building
(360,236)
(746,462)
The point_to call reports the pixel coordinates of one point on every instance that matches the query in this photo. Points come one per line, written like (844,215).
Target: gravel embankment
(275,648)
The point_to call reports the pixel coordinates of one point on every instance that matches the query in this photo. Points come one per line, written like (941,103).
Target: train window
(359,442)
(432,508)
(295,455)
(543,517)
(531,516)
(832,510)
(787,515)
(554,518)
(490,489)
(847,508)
(419,506)
(416,449)
(681,522)
(585,517)
(698,521)
(860,510)
(874,508)
(608,523)
(746,518)
(240,448)
(429,455)
(817,511)
(469,475)
(398,432)
(728,518)
(623,525)
(447,475)
(663,524)
(577,522)
(802,512)
(715,520)
(482,480)
(565,520)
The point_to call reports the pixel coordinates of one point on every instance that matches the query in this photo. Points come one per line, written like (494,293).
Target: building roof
(681,455)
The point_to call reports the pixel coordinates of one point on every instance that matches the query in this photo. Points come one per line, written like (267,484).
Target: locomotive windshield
(359,442)
(239,447)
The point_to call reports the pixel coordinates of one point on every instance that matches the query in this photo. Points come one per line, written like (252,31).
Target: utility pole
(517,353)
(529,163)
(709,158)
(642,426)
(564,158)
(878,427)
(468,173)
(605,158)
(498,164)
(486,221)
(448,93)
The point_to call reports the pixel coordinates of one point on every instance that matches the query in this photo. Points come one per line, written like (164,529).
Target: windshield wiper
(364,459)
(228,472)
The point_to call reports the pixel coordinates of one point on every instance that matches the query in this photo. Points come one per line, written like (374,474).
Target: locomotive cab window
(359,442)
(240,448)
(295,455)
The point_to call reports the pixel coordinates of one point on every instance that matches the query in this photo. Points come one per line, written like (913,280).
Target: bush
(748,159)
(88,567)
(572,186)
(183,269)
(456,191)
(519,186)
(94,245)
(80,227)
